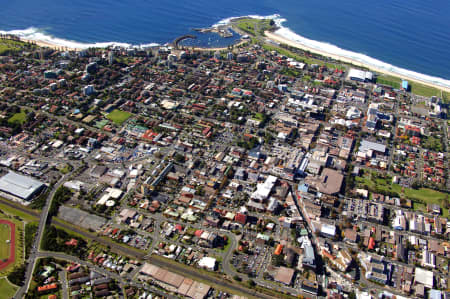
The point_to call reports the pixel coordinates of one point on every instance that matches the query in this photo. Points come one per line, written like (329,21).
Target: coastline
(49,45)
(280,39)
(276,37)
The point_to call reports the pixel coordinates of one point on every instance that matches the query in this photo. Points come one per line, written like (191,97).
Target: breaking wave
(39,35)
(368,61)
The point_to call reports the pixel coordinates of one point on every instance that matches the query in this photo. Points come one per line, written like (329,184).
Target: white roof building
(208,263)
(20,186)
(360,75)
(424,277)
(263,190)
(367,146)
(328,229)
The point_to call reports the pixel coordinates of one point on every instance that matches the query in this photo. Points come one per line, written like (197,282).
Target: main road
(37,241)
(160,261)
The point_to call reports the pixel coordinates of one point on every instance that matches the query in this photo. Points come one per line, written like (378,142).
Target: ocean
(411,37)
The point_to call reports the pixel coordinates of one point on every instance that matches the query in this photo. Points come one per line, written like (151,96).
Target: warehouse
(19,187)
(359,75)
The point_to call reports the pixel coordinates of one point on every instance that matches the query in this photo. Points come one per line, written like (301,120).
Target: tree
(179,158)
(278,260)
(17,275)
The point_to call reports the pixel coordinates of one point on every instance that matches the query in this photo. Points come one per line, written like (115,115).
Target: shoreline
(65,48)
(49,45)
(282,40)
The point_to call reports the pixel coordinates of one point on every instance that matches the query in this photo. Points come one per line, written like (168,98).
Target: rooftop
(19,185)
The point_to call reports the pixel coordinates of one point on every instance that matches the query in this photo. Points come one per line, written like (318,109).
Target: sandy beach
(64,48)
(277,38)
(280,39)
(49,45)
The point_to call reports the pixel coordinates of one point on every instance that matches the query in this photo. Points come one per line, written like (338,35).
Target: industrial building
(16,186)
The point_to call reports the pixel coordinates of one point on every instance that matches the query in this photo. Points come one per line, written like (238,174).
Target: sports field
(5,236)
(7,243)
(118,116)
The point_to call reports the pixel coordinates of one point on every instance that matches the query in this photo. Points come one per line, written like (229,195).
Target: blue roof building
(405,84)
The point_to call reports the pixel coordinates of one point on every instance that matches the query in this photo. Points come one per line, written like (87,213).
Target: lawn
(416,88)
(389,80)
(14,212)
(424,196)
(420,197)
(249,25)
(301,58)
(5,234)
(432,143)
(259,116)
(7,289)
(20,118)
(118,116)
(66,169)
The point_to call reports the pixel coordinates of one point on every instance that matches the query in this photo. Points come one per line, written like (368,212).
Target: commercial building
(330,181)
(424,277)
(360,75)
(18,186)
(284,275)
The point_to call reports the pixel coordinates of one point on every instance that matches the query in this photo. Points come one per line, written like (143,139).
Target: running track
(12,254)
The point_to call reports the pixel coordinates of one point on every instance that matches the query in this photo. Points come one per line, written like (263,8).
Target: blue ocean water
(411,34)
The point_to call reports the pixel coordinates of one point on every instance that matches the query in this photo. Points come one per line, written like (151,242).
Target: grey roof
(368,145)
(81,218)
(19,185)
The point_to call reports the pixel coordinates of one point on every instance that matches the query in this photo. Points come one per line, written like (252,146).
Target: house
(48,287)
(240,218)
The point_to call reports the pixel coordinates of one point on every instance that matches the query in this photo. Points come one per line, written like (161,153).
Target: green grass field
(420,197)
(249,25)
(389,80)
(118,116)
(18,118)
(11,211)
(5,234)
(7,290)
(416,88)
(301,58)
(8,47)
